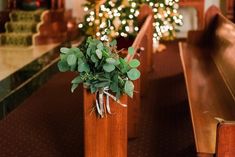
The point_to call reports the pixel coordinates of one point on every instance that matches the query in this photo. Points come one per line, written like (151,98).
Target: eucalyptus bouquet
(102,70)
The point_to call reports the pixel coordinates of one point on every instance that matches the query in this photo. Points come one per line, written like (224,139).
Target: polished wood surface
(224,57)
(52,28)
(208,63)
(230,9)
(15,58)
(143,51)
(226,139)
(199,5)
(145,20)
(208,95)
(105,137)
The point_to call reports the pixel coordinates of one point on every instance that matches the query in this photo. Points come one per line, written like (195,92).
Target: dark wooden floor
(167,128)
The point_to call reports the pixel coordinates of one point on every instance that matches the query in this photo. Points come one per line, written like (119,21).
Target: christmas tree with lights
(120,17)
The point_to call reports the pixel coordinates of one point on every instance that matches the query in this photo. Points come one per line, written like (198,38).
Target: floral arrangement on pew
(102,70)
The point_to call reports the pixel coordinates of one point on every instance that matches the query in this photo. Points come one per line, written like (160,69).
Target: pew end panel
(105,137)
(225,146)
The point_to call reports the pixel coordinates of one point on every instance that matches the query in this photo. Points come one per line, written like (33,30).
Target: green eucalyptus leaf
(75,49)
(71,59)
(134,63)
(63,56)
(83,67)
(118,94)
(80,61)
(63,66)
(133,74)
(110,60)
(117,62)
(74,86)
(131,50)
(114,86)
(98,53)
(123,65)
(77,80)
(102,84)
(129,88)
(73,67)
(94,59)
(64,50)
(103,79)
(89,40)
(77,52)
(88,52)
(87,84)
(100,46)
(93,89)
(108,67)
(113,43)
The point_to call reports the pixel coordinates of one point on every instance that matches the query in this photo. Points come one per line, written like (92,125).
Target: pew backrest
(208,60)
(143,51)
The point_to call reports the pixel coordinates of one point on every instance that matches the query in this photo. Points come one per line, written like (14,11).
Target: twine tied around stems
(103,107)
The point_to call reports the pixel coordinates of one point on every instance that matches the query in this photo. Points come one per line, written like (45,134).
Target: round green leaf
(117,62)
(134,63)
(83,67)
(113,43)
(100,46)
(108,67)
(129,88)
(98,53)
(63,66)
(131,50)
(110,60)
(72,59)
(133,74)
(74,86)
(64,50)
(77,80)
(75,49)
(94,59)
(77,52)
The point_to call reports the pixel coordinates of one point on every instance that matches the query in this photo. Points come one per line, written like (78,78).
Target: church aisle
(167,128)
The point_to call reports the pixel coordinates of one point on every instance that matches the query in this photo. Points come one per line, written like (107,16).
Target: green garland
(121,17)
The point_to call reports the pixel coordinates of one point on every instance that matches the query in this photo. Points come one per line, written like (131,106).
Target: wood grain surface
(105,137)
(208,63)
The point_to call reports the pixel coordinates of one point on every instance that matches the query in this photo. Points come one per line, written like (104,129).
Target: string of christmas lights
(120,16)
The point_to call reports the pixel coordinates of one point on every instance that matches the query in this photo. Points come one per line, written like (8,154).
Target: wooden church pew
(208,60)
(143,51)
